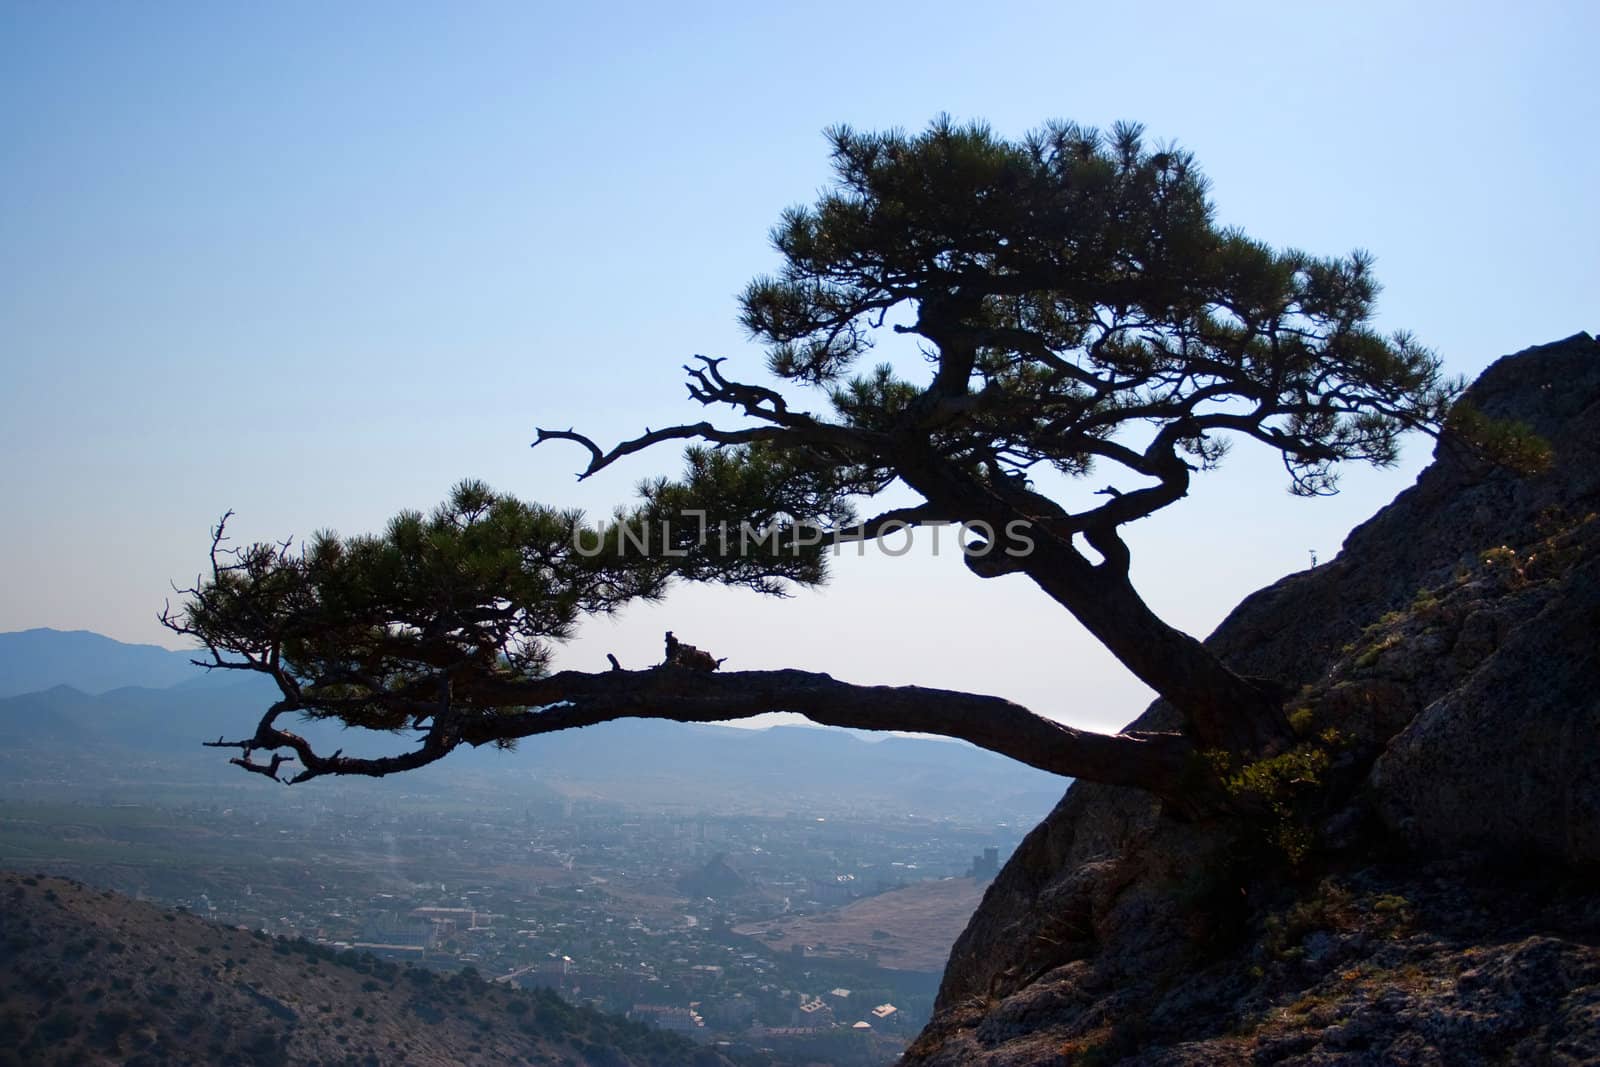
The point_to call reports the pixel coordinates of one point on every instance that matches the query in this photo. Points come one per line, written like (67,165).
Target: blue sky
(317,262)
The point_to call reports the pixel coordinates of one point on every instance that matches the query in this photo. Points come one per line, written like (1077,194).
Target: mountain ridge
(41,657)
(643,760)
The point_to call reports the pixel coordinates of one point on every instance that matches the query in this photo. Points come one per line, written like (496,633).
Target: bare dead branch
(708,385)
(700,431)
(438,741)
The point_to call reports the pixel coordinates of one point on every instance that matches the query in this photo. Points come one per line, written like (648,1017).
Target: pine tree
(1080,312)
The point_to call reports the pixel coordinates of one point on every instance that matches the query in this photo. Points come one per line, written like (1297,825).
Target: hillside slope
(31,660)
(1415,890)
(92,977)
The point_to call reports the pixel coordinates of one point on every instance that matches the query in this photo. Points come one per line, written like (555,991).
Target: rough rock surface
(1463,680)
(1511,756)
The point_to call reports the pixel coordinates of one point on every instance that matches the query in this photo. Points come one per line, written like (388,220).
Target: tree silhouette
(1078,309)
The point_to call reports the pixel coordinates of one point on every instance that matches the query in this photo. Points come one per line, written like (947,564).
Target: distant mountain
(646,761)
(31,660)
(93,977)
(150,721)
(717,768)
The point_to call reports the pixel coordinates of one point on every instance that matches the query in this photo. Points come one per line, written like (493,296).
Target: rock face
(1454,643)
(1510,758)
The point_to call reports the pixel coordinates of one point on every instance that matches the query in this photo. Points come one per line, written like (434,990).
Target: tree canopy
(1078,310)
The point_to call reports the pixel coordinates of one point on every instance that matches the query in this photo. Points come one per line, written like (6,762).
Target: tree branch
(896,519)
(571,700)
(708,385)
(700,431)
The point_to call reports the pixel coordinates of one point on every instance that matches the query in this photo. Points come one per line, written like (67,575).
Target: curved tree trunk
(1222,709)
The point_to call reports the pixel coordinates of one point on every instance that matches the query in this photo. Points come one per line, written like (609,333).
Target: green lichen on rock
(1283,794)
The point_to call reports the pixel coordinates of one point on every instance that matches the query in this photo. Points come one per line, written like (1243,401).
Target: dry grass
(909,929)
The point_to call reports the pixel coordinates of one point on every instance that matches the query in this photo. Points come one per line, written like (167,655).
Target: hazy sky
(317,262)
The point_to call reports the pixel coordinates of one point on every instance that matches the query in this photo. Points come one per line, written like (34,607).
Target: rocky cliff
(1417,888)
